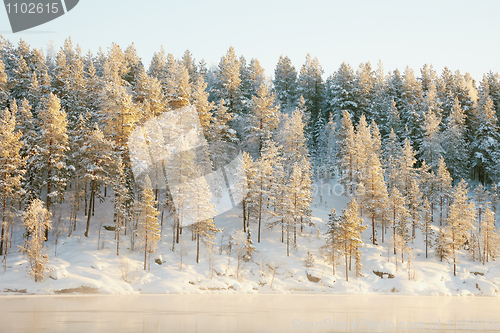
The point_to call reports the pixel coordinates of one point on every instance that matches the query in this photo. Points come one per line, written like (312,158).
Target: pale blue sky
(459,34)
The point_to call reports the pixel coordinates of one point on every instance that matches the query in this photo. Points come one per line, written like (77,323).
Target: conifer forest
(387,177)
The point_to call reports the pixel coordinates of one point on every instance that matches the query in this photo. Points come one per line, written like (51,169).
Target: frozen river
(248,313)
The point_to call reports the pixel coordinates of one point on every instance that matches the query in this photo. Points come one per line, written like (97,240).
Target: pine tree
(205,231)
(375,195)
(444,187)
(203,107)
(263,118)
(292,138)
(340,92)
(228,82)
(269,163)
(148,94)
(393,153)
(177,86)
(454,142)
(442,245)
(11,166)
(485,145)
(398,212)
(490,237)
(333,245)
(364,89)
(52,159)
(414,205)
(285,83)
(427,231)
(460,220)
(350,233)
(431,149)
(148,230)
(36,220)
(97,164)
(121,209)
(406,170)
(4,92)
(347,154)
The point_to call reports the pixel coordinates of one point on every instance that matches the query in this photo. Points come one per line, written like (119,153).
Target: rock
(312,278)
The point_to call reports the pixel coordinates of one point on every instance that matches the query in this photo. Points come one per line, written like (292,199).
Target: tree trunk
(90,208)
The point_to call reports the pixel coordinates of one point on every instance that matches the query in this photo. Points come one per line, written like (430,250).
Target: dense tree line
(401,144)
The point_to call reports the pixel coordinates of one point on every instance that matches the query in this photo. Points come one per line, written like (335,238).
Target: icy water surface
(248,313)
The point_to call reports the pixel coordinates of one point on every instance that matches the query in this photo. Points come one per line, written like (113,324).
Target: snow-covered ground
(80,266)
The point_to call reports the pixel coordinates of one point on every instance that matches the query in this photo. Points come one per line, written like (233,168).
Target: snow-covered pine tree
(455,145)
(205,231)
(495,200)
(311,87)
(248,202)
(414,200)
(461,220)
(398,213)
(427,231)
(52,159)
(121,200)
(489,236)
(482,201)
(11,166)
(444,187)
(4,91)
(347,152)
(97,164)
(485,145)
(429,186)
(340,92)
(406,170)
(364,89)
(431,149)
(364,149)
(392,154)
(204,108)
(374,197)
(333,246)
(30,149)
(222,117)
(228,82)
(442,244)
(270,161)
(285,83)
(350,234)
(148,228)
(177,86)
(148,94)
(292,138)
(263,119)
(36,220)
